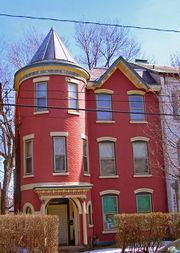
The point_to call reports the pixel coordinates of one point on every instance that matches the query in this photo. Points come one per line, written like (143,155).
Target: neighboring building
(169,103)
(84,149)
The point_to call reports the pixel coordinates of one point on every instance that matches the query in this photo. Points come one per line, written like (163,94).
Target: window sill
(115,176)
(105,121)
(41,112)
(27,176)
(138,122)
(73,112)
(90,226)
(60,173)
(87,175)
(143,175)
(109,231)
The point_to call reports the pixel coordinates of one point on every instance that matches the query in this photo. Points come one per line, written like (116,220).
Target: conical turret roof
(52,48)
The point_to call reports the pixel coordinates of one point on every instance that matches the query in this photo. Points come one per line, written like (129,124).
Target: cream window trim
(41,112)
(115,176)
(109,192)
(135,92)
(26,176)
(71,80)
(105,121)
(83,136)
(73,112)
(137,122)
(61,134)
(143,190)
(139,138)
(27,204)
(104,91)
(110,231)
(28,137)
(144,175)
(87,174)
(60,174)
(113,139)
(41,79)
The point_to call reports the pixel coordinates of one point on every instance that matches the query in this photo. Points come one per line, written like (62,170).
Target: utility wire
(89,110)
(89,23)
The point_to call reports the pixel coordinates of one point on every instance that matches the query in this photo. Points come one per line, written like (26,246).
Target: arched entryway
(67,211)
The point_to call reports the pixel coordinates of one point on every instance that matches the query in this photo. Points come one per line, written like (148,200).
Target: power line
(88,110)
(89,23)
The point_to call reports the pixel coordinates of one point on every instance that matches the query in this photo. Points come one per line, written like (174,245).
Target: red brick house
(83,149)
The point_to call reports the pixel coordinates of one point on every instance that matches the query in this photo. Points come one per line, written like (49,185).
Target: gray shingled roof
(52,48)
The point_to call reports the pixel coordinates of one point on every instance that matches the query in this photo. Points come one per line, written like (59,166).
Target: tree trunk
(6,182)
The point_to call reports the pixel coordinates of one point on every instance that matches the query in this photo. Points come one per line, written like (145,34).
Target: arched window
(107,156)
(144,200)
(110,207)
(140,155)
(28,210)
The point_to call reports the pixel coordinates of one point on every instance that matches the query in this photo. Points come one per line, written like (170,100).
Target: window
(109,210)
(73,96)
(89,208)
(28,157)
(85,156)
(176,104)
(104,103)
(144,202)
(107,158)
(140,157)
(59,154)
(28,210)
(41,96)
(136,103)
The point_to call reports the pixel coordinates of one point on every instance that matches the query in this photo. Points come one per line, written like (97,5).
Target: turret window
(59,154)
(41,96)
(73,96)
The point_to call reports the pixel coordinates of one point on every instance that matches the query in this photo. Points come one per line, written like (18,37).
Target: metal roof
(52,48)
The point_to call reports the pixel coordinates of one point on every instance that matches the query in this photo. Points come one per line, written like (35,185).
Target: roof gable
(127,70)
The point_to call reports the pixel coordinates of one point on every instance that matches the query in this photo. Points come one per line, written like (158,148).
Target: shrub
(36,233)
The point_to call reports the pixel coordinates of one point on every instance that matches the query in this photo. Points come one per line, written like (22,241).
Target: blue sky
(148,13)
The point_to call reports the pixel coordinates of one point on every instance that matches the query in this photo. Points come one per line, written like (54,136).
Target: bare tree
(175,59)
(21,52)
(7,138)
(102,44)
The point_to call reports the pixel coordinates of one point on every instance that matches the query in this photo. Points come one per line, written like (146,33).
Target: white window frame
(111,142)
(133,115)
(45,97)
(55,171)
(85,138)
(135,141)
(26,139)
(108,110)
(75,97)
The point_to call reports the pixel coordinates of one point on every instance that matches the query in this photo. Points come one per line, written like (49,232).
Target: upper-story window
(41,96)
(176,104)
(140,157)
(73,96)
(104,104)
(28,155)
(137,108)
(107,158)
(85,156)
(59,154)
